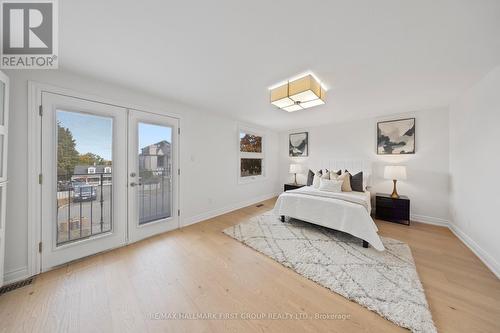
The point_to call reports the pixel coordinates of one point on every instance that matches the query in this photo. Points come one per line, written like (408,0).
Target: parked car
(84,192)
(63,185)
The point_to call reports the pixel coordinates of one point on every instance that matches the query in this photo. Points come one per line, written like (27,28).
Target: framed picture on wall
(298,144)
(396,137)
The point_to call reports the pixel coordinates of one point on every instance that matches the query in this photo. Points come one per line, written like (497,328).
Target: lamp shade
(295,168)
(305,89)
(397,172)
(298,94)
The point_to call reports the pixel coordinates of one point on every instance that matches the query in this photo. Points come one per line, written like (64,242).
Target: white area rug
(384,282)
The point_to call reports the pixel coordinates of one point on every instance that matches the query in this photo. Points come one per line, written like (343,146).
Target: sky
(149,134)
(94,134)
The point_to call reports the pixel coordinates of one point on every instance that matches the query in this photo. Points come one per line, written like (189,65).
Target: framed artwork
(396,137)
(298,144)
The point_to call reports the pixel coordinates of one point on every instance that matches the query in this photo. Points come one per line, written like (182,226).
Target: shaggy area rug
(384,282)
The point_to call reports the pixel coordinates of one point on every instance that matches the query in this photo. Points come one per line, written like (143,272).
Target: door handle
(134,184)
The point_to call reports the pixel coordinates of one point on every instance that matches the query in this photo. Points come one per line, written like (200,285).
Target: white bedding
(346,211)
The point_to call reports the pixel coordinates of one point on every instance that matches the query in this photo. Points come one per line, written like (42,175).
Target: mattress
(346,211)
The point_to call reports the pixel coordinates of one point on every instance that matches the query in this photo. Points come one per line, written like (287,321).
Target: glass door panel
(2,147)
(84,175)
(153,165)
(3,128)
(2,103)
(154,193)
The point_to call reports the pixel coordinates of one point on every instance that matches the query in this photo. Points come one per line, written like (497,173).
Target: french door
(153,174)
(4,131)
(108,177)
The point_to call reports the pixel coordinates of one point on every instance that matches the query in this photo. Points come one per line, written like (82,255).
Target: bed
(345,211)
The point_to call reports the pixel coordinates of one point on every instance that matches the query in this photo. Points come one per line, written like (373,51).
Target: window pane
(2,193)
(1,154)
(84,191)
(251,167)
(2,101)
(250,143)
(155,172)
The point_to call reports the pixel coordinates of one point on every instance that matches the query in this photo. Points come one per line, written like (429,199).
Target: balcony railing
(85,203)
(84,206)
(154,195)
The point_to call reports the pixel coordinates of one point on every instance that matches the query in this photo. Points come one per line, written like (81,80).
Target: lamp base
(394,194)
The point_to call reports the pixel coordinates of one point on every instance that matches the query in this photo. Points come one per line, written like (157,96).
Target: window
(107,170)
(251,155)
(91,170)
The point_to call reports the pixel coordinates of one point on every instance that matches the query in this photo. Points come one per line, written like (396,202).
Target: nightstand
(392,209)
(289,187)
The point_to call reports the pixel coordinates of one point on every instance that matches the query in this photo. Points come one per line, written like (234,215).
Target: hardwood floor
(199,270)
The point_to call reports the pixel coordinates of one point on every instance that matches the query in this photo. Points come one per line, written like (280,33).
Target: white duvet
(345,211)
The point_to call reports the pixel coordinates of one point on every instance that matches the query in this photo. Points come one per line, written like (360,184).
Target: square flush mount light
(300,93)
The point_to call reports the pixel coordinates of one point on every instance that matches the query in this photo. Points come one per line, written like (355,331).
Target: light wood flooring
(199,270)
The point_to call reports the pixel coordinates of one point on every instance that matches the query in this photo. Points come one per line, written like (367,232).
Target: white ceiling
(377,57)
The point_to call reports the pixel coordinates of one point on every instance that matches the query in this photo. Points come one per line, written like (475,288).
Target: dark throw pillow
(310,178)
(357,182)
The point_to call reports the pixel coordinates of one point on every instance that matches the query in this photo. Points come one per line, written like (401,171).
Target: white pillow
(330,185)
(317,176)
(316,180)
(334,174)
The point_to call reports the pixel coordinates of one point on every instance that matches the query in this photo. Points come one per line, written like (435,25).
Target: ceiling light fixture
(299,93)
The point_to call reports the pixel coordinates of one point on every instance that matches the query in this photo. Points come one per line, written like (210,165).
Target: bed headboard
(354,166)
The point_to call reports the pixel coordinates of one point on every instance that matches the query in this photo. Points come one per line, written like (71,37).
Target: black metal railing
(154,195)
(84,206)
(85,202)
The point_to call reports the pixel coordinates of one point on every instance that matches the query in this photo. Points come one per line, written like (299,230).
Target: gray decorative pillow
(310,178)
(357,182)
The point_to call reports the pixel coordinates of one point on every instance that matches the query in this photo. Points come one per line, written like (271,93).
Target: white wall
(208,158)
(474,168)
(427,183)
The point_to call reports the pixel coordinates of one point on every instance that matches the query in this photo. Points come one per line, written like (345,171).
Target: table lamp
(395,172)
(295,169)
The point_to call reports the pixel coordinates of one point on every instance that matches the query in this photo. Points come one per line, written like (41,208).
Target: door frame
(3,188)
(34,208)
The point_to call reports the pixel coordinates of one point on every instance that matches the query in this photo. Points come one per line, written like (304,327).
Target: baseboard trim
(484,256)
(220,211)
(430,220)
(16,275)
